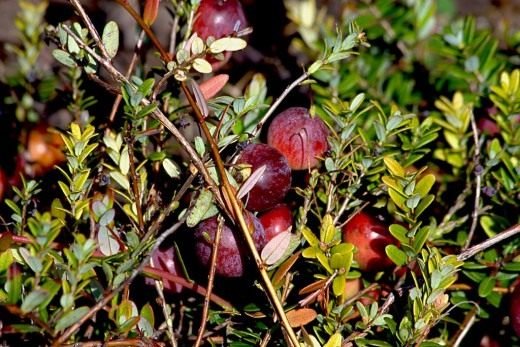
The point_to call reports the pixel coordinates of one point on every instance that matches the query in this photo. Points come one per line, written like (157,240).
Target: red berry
(488,126)
(514,310)
(44,150)
(231,254)
(219,18)
(274,182)
(370,238)
(300,138)
(166,260)
(276,220)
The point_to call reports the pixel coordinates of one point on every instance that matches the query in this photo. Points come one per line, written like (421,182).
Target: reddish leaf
(151,8)
(301,316)
(212,86)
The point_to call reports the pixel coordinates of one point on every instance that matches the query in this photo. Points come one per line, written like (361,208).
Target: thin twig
(129,71)
(478,182)
(151,35)
(470,252)
(107,297)
(226,305)
(159,287)
(14,309)
(134,178)
(91,28)
(277,103)
(468,322)
(211,278)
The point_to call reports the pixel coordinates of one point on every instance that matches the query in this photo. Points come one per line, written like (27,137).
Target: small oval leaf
(275,249)
(202,65)
(71,317)
(227,44)
(110,38)
(301,316)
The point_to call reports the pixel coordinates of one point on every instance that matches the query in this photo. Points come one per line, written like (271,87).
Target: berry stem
(165,56)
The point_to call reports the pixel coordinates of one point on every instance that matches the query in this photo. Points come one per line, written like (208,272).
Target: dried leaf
(301,316)
(312,287)
(284,269)
(251,182)
(108,245)
(275,249)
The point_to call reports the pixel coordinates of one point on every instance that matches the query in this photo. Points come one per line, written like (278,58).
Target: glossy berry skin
(219,18)
(166,260)
(370,238)
(231,255)
(514,310)
(276,220)
(300,138)
(275,181)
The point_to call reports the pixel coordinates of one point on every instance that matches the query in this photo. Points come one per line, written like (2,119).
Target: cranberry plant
(160,193)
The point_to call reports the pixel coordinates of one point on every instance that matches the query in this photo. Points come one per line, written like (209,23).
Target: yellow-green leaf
(227,44)
(202,65)
(394,167)
(310,237)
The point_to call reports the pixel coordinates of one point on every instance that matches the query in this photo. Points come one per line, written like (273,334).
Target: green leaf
(120,179)
(424,204)
(486,286)
(200,147)
(420,238)
(171,168)
(327,230)
(398,199)
(338,285)
(424,185)
(34,299)
(124,161)
(334,341)
(200,209)
(110,38)
(71,317)
(396,255)
(310,237)
(399,232)
(64,57)
(394,167)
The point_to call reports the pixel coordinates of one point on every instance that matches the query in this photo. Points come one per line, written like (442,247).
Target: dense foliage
(388,130)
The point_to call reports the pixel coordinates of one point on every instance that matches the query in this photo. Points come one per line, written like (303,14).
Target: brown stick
(205,309)
(470,252)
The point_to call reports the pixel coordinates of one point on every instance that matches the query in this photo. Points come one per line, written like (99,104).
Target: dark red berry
(166,260)
(302,139)
(231,254)
(275,181)
(219,18)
